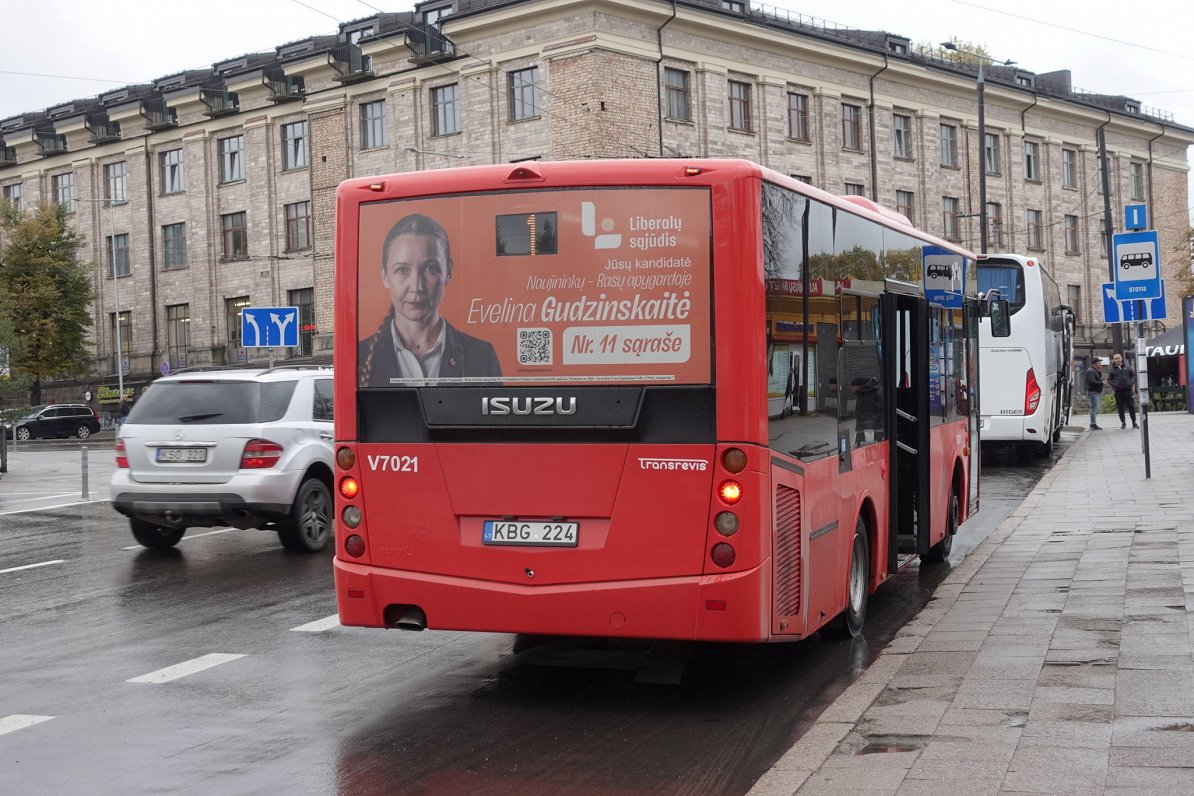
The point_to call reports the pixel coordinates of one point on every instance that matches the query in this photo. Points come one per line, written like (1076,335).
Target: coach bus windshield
(536,287)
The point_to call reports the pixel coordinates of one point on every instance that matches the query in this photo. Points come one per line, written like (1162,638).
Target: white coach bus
(1025,382)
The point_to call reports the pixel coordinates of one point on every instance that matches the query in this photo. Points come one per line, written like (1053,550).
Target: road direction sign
(944,275)
(269,327)
(1137,265)
(1115,311)
(1135,216)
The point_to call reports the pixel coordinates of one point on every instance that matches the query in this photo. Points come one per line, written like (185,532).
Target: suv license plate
(521,532)
(182,454)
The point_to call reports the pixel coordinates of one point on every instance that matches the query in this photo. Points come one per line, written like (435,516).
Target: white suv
(246,448)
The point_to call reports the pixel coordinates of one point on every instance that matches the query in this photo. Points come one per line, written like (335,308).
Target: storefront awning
(1171,344)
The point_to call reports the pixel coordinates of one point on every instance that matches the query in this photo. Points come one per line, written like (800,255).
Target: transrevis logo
(588,226)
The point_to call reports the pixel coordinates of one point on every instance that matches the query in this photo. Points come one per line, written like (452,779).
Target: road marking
(53,506)
(319,625)
(186,667)
(18,721)
(33,566)
(183,539)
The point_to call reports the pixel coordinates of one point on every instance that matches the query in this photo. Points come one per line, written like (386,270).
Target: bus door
(906,374)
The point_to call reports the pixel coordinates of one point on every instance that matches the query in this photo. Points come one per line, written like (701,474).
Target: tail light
(1032,393)
(260,454)
(122,459)
(95,414)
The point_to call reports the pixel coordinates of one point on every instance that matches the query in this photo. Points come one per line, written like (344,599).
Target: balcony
(158,116)
(219,102)
(102,131)
(350,63)
(50,143)
(428,44)
(284,88)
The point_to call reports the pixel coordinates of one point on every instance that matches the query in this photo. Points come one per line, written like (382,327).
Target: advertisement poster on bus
(533,287)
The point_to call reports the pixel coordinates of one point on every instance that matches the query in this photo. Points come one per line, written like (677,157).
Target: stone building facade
(215,189)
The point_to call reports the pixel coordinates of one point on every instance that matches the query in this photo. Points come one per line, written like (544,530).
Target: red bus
(666,399)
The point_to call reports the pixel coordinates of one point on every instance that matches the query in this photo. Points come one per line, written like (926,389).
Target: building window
(294,143)
(904,203)
(298,226)
(951,208)
(798,116)
(855,189)
(233,307)
(994,224)
(114,182)
(304,299)
(1070,225)
(12,194)
(174,246)
(852,127)
(118,255)
(901,131)
(236,236)
(524,94)
(991,153)
(232,158)
(1136,172)
(949,145)
(676,89)
(62,187)
(445,110)
(126,339)
(737,6)
(1035,240)
(1069,168)
(178,333)
(373,124)
(804,178)
(740,110)
(1032,161)
(1073,295)
(172,171)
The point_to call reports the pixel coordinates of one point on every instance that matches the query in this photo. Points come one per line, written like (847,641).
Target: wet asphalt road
(326,709)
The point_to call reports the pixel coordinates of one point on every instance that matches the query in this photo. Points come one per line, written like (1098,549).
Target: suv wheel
(156,537)
(23,433)
(83,432)
(309,527)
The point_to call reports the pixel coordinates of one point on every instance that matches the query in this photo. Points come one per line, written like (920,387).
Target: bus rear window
(1007,277)
(522,288)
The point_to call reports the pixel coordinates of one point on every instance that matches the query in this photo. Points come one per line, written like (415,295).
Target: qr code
(534,347)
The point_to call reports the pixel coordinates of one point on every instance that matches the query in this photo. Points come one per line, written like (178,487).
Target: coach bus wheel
(848,623)
(940,551)
(155,537)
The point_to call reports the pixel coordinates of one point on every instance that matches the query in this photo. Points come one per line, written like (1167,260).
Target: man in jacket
(1123,381)
(1094,390)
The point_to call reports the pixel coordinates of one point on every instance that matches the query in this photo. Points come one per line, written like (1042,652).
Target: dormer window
(356,35)
(737,6)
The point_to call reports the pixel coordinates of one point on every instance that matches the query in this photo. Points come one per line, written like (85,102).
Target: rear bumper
(198,510)
(658,608)
(1002,429)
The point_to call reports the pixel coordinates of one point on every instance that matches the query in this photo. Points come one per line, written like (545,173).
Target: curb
(821,740)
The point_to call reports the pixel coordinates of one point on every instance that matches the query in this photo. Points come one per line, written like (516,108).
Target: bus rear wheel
(940,551)
(849,622)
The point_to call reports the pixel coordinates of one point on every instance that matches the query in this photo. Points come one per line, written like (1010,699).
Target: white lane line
(18,721)
(188,536)
(186,667)
(54,505)
(319,625)
(33,566)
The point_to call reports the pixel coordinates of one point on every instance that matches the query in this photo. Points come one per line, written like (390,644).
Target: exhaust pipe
(412,618)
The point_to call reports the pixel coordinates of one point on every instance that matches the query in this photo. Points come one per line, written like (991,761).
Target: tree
(44,296)
(1183,265)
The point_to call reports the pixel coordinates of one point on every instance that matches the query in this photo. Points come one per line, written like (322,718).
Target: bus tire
(849,622)
(155,537)
(939,552)
(309,527)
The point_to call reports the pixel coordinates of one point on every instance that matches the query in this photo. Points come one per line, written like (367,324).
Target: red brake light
(1032,393)
(122,460)
(349,487)
(730,492)
(260,454)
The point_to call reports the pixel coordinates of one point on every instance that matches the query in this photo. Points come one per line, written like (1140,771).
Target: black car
(55,420)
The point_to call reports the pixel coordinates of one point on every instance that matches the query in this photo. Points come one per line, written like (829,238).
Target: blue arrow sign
(1137,265)
(1129,311)
(269,327)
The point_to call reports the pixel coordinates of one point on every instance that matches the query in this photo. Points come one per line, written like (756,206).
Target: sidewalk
(1056,658)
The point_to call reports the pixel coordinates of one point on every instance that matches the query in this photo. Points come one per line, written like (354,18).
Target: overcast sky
(80,48)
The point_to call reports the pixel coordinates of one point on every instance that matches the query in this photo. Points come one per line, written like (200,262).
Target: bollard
(84,452)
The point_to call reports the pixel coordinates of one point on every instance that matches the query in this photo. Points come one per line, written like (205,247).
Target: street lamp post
(982,138)
(116,297)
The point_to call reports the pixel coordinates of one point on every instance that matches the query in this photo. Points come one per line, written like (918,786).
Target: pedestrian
(1094,390)
(122,412)
(1123,380)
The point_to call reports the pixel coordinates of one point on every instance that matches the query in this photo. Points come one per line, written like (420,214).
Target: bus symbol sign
(1136,265)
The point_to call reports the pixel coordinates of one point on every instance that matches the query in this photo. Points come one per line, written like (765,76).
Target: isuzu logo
(529,405)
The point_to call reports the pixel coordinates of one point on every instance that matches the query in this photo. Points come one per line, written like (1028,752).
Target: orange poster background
(659,228)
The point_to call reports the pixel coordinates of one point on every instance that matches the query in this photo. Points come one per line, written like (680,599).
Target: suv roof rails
(203,368)
(295,367)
